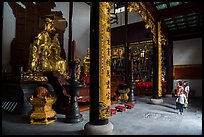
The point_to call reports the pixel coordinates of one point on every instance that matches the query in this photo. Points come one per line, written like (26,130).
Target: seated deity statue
(86,63)
(45,52)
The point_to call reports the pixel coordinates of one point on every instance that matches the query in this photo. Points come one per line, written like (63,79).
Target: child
(181,100)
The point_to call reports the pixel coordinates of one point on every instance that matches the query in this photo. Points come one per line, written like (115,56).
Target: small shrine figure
(137,78)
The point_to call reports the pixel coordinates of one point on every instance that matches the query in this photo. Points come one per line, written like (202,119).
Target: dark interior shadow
(14,118)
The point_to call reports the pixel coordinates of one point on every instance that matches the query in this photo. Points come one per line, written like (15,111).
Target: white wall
(80,29)
(80,26)
(188,52)
(7,36)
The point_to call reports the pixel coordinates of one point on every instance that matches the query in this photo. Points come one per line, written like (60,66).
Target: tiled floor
(143,119)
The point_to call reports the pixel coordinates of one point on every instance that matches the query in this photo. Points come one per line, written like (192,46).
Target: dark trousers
(180,107)
(176,103)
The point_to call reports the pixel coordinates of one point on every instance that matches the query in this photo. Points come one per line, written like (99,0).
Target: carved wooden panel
(188,71)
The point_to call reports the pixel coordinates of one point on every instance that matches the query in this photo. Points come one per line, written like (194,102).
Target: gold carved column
(100,76)
(159,60)
(104,61)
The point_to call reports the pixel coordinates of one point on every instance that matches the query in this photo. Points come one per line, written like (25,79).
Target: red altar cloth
(86,78)
(145,88)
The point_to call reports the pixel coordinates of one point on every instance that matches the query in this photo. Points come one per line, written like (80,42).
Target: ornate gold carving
(42,112)
(32,76)
(45,52)
(159,60)
(78,68)
(147,11)
(145,15)
(104,61)
(163,38)
(123,97)
(86,63)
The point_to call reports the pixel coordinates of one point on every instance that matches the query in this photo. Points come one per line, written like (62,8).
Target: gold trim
(185,66)
(104,61)
(42,110)
(145,15)
(159,60)
(188,66)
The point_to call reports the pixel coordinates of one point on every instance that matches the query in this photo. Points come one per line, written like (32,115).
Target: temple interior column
(159,61)
(157,68)
(100,76)
(155,65)
(169,67)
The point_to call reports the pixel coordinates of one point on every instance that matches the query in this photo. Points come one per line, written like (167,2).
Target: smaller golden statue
(45,52)
(123,95)
(78,68)
(42,112)
(86,63)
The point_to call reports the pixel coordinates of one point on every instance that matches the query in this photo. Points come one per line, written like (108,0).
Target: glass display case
(118,60)
(142,60)
(141,54)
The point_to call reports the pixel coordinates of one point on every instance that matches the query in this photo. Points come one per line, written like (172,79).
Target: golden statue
(45,52)
(86,63)
(78,68)
(123,97)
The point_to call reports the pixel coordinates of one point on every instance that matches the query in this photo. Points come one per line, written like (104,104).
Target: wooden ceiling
(182,20)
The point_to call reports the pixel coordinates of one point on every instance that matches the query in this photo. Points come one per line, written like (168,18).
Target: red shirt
(178,91)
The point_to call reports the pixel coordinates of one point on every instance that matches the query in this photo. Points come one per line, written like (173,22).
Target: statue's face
(50,26)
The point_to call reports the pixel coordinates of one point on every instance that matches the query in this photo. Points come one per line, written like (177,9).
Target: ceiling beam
(151,9)
(187,30)
(184,9)
(186,33)
(184,37)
